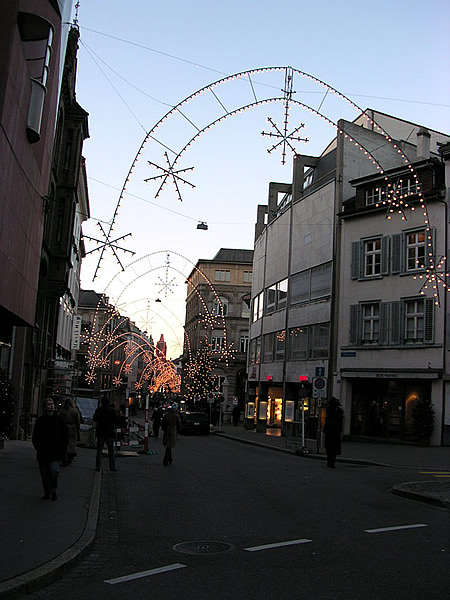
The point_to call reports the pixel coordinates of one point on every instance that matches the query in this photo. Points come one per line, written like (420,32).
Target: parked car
(194,422)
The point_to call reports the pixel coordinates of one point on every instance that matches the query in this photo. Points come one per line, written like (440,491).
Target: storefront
(383,408)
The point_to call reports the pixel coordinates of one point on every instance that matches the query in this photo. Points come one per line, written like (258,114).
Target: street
(232,520)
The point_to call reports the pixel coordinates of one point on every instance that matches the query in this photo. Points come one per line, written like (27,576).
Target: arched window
(220,304)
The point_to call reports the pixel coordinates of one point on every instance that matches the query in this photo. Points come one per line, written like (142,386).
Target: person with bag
(170,425)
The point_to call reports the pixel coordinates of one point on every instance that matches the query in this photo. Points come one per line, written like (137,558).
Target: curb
(42,576)
(406,491)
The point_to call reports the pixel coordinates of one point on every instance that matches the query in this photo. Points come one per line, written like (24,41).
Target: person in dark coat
(236,414)
(156,419)
(170,425)
(332,430)
(106,421)
(50,437)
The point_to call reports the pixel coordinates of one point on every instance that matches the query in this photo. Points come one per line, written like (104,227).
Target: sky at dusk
(139,60)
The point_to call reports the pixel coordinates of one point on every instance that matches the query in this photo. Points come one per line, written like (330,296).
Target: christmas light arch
(434,272)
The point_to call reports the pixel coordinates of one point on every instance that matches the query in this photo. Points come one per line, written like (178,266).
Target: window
(243,342)
(319,335)
(298,343)
(393,323)
(415,250)
(220,305)
(248,276)
(276,296)
(37,38)
(320,281)
(222,275)
(406,187)
(372,257)
(370,323)
(282,291)
(268,347)
(312,284)
(258,305)
(280,339)
(300,285)
(414,321)
(271,298)
(375,195)
(255,351)
(217,340)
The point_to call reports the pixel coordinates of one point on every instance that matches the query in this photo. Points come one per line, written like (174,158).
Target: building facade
(307,309)
(217,316)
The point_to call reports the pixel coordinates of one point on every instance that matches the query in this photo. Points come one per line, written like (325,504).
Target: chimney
(423,143)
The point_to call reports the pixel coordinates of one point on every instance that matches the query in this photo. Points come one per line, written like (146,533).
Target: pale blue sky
(138,58)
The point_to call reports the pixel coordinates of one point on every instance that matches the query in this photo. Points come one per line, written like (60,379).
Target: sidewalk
(41,539)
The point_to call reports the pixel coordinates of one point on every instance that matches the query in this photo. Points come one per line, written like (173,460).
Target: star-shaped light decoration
(434,276)
(283,134)
(167,285)
(106,243)
(169,172)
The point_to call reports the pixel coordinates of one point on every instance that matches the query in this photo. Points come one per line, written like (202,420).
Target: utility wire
(190,62)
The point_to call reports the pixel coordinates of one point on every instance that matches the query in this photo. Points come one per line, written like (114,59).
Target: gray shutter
(354,334)
(396,253)
(383,338)
(385,255)
(428,334)
(396,325)
(355,272)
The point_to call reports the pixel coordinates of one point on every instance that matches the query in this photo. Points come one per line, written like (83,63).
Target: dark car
(194,422)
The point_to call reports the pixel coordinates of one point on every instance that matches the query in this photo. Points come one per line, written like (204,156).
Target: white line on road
(145,573)
(277,545)
(383,529)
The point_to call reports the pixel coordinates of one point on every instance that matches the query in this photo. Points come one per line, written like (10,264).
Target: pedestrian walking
(236,414)
(333,430)
(50,437)
(156,420)
(71,417)
(105,418)
(170,425)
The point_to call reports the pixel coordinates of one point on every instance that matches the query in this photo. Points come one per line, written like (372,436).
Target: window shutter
(354,335)
(428,334)
(396,253)
(385,255)
(383,337)
(356,260)
(396,328)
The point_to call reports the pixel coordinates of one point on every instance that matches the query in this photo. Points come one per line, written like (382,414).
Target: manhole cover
(203,547)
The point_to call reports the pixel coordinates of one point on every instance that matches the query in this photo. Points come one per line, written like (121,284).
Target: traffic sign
(319,385)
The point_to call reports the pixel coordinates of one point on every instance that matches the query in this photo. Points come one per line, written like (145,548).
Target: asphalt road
(228,520)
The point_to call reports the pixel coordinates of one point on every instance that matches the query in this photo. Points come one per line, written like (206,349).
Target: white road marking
(145,574)
(397,528)
(277,545)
